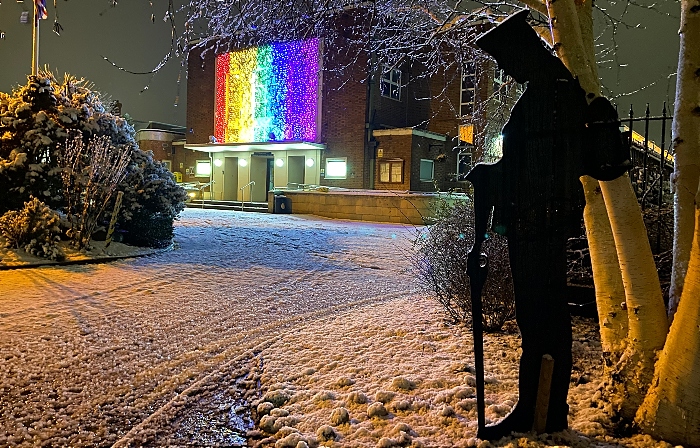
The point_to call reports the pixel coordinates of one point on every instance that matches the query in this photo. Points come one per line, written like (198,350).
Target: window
(168,164)
(464,162)
(500,85)
(202,168)
(390,84)
(391,171)
(466,101)
(426,170)
(337,168)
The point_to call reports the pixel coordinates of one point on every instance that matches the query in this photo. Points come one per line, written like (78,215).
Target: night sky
(126,35)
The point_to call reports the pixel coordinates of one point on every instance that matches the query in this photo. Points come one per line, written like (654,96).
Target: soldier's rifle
(483,178)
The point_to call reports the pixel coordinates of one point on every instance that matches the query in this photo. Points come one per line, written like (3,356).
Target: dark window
(468,88)
(390,84)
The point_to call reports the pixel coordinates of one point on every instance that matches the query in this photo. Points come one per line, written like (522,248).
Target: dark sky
(92,29)
(126,35)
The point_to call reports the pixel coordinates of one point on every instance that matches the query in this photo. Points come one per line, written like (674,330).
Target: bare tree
(91,173)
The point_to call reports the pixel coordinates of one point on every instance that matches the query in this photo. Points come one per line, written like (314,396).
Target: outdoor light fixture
(268,93)
(279,163)
(242,162)
(217,162)
(309,162)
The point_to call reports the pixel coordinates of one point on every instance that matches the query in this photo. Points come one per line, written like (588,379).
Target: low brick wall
(362,205)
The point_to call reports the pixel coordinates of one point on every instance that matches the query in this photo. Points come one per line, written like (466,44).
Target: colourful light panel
(268,93)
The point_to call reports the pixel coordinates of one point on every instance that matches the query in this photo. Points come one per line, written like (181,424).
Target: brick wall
(200,97)
(396,207)
(344,105)
(394,147)
(161,150)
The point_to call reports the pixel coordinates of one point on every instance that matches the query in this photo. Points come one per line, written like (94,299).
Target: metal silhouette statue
(553,138)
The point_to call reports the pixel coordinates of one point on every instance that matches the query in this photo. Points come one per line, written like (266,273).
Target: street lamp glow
(309,162)
(242,162)
(279,163)
(217,162)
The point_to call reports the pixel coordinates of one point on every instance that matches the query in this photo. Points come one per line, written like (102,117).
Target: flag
(41,12)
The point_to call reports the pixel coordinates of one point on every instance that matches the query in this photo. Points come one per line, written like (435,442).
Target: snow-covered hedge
(34,228)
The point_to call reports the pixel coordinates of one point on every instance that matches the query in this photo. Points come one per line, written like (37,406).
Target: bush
(441,264)
(40,117)
(152,201)
(35,229)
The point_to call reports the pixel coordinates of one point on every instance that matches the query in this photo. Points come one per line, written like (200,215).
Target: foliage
(441,266)
(152,201)
(34,228)
(91,174)
(37,121)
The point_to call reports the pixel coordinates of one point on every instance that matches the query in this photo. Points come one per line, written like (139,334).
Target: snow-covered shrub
(34,228)
(441,265)
(152,201)
(37,120)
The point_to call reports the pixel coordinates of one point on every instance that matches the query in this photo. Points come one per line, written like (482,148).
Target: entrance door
(270,174)
(230,187)
(295,169)
(260,174)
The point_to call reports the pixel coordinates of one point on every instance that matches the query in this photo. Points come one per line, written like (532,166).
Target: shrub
(34,228)
(152,201)
(441,265)
(40,117)
(90,176)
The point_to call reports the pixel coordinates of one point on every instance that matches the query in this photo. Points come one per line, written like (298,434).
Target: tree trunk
(609,291)
(646,314)
(671,409)
(572,33)
(686,141)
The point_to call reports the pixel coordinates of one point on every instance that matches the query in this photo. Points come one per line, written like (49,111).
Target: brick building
(280,116)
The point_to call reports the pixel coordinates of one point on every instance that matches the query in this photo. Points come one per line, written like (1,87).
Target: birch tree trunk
(609,291)
(671,409)
(646,314)
(572,33)
(686,141)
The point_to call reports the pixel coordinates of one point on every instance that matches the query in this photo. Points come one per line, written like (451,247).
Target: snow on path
(89,352)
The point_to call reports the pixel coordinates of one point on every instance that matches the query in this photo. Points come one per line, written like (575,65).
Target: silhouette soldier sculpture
(538,202)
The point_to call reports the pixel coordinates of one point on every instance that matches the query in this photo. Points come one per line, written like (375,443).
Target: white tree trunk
(686,141)
(609,291)
(671,409)
(646,314)
(572,32)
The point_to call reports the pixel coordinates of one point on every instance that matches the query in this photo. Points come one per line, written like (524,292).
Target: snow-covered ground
(321,317)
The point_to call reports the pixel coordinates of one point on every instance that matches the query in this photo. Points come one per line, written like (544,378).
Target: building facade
(290,114)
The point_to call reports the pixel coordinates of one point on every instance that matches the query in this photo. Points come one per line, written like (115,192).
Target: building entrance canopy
(254,146)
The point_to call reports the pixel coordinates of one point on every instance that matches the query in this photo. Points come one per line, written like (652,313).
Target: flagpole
(35,42)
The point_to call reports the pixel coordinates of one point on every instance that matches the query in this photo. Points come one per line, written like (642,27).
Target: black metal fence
(652,160)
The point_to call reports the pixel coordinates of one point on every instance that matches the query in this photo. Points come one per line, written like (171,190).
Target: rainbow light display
(268,93)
